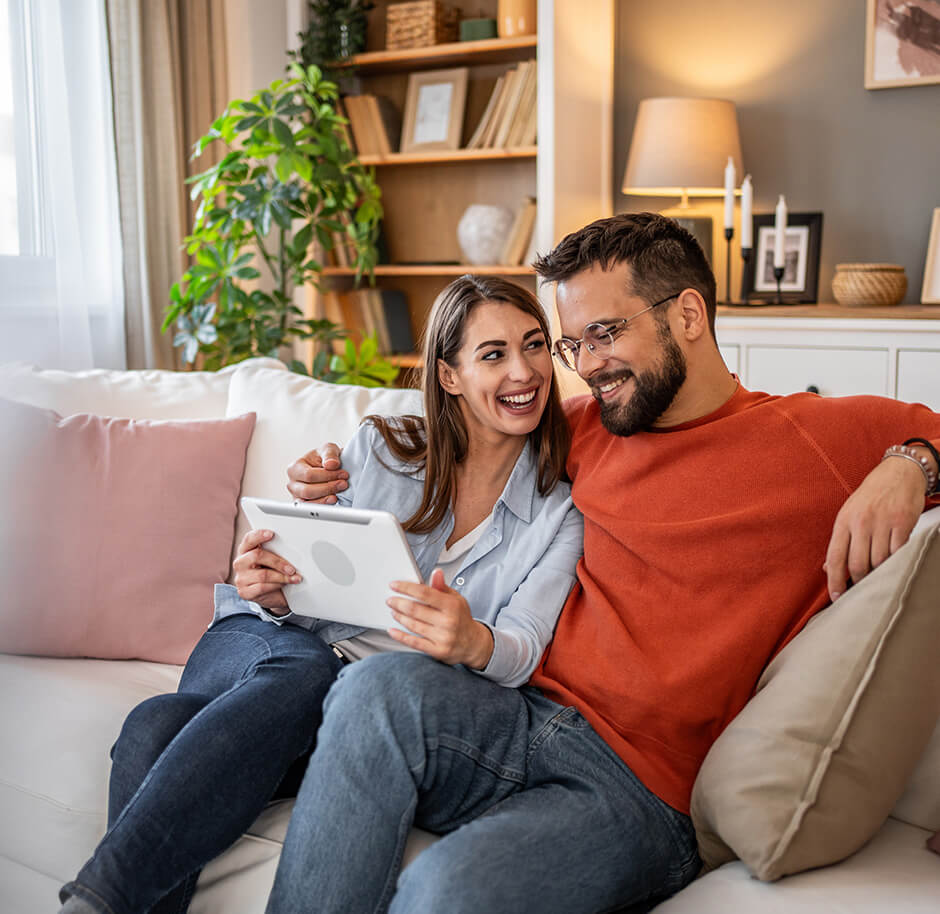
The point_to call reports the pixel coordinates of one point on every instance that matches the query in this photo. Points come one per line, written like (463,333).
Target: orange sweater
(703,553)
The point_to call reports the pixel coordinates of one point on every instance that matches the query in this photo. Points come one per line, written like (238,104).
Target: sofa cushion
(114,531)
(814,763)
(153,394)
(920,803)
(893,874)
(296,414)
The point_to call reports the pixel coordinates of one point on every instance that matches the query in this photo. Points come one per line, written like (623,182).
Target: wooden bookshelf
(435,269)
(455,54)
(454,156)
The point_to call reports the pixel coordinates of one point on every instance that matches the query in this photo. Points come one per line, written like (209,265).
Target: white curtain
(61,297)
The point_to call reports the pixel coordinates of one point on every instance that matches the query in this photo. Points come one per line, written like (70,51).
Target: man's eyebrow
(525,336)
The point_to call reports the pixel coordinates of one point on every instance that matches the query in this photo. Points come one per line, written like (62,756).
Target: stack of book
(519,239)
(511,113)
(382,312)
(375,123)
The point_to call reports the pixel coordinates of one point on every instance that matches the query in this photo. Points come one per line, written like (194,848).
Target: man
(708,512)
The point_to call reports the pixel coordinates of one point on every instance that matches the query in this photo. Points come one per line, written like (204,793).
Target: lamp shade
(680,146)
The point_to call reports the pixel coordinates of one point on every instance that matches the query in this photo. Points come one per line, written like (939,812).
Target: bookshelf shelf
(456,155)
(435,269)
(492,50)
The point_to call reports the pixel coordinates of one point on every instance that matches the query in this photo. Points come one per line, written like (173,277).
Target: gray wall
(868,159)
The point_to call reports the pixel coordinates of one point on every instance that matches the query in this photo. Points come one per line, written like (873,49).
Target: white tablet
(346,556)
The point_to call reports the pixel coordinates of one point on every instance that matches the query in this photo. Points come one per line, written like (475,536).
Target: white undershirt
(377,640)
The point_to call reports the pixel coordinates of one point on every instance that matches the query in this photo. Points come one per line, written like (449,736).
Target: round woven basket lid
(871,267)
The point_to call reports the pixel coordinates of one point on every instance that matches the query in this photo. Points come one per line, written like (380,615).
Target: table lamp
(680,148)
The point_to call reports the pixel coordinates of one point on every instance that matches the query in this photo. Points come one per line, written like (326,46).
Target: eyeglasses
(598,338)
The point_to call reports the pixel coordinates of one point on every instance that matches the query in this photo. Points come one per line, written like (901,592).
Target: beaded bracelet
(923,442)
(908,453)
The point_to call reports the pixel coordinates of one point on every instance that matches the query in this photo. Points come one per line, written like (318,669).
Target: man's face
(638,381)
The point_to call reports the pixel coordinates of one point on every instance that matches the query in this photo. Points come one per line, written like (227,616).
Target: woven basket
(860,284)
(419,24)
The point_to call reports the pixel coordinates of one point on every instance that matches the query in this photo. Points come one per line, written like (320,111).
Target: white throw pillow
(295,414)
(152,394)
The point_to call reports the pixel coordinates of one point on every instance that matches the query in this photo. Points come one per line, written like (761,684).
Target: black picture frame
(800,284)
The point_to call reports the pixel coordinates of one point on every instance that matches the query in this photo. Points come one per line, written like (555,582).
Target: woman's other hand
(260,574)
(442,623)
(318,475)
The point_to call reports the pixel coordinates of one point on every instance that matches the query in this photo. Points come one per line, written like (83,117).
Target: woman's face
(503,374)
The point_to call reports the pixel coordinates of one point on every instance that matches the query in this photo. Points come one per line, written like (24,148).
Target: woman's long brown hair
(438,443)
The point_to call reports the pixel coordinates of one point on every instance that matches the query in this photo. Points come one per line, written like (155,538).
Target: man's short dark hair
(663,257)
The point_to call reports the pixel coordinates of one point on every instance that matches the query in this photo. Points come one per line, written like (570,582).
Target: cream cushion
(295,414)
(153,394)
(813,765)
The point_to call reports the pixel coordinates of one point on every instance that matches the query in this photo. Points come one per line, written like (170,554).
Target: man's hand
(317,475)
(875,521)
(442,623)
(260,574)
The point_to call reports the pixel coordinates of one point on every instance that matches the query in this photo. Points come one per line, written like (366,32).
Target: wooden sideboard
(888,351)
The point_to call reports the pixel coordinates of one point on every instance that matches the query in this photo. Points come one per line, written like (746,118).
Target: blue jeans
(192,770)
(538,812)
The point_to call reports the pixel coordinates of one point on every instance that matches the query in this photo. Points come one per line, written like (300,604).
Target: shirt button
(459,582)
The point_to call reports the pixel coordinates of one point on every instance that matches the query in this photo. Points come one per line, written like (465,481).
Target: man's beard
(654,391)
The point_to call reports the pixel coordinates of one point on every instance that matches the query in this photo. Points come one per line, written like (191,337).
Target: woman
(478,486)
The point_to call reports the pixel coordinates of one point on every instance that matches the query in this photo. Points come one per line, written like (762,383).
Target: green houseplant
(336,30)
(288,177)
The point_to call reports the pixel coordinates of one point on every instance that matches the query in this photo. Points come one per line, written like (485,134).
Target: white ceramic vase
(482,233)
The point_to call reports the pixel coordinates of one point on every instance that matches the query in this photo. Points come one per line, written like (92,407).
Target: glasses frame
(565,347)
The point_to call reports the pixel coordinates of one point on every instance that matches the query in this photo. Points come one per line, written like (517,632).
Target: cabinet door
(831,371)
(919,376)
(732,357)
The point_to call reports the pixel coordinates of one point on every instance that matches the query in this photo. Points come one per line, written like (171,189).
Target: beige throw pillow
(812,766)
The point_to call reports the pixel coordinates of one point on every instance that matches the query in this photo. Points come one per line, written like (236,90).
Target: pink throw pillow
(114,531)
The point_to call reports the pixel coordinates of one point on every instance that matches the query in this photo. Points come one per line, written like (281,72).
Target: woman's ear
(447,377)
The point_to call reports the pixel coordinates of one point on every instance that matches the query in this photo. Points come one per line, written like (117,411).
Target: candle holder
(778,275)
(729,234)
(746,259)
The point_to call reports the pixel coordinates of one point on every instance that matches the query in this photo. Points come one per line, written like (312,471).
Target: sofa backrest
(153,394)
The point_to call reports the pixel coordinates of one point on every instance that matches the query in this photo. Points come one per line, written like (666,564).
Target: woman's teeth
(518,399)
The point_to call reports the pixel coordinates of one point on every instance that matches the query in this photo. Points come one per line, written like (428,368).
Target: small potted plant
(287,179)
(336,30)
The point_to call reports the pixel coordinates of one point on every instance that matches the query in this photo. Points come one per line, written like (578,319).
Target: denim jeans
(192,770)
(538,813)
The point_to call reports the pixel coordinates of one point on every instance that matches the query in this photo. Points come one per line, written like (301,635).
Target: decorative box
(419,23)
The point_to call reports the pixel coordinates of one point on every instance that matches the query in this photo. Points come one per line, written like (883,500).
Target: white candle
(729,194)
(780,232)
(747,203)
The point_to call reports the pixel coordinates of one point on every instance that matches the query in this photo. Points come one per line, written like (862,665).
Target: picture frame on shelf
(434,109)
(800,282)
(930,291)
(901,44)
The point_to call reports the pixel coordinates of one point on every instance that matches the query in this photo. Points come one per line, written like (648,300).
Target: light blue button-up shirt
(515,579)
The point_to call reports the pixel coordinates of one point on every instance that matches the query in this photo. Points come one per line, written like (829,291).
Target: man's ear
(693,314)
(447,377)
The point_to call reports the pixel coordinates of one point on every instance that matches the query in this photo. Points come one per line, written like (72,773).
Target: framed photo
(434,110)
(801,261)
(930,293)
(902,47)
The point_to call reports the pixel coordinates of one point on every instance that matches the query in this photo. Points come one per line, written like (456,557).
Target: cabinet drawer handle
(812,389)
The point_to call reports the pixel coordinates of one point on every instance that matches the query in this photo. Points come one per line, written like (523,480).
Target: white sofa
(58,717)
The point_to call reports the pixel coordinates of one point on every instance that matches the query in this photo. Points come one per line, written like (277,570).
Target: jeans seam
(394,872)
(473,753)
(95,897)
